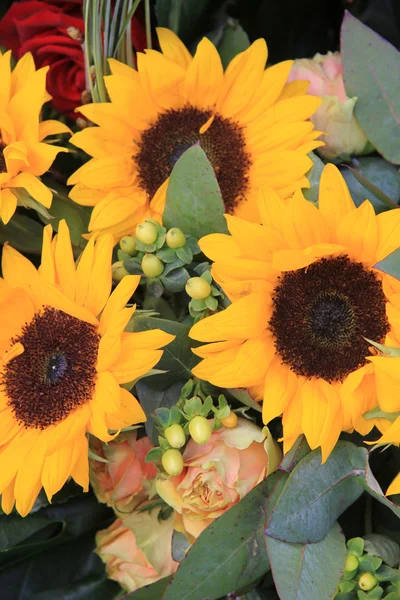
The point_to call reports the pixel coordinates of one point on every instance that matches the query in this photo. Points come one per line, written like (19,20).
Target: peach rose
(218,474)
(335,116)
(126,479)
(137,549)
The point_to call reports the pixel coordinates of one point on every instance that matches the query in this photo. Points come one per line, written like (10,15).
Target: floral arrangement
(199,303)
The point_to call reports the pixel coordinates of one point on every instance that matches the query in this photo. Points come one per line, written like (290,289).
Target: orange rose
(126,479)
(218,474)
(137,549)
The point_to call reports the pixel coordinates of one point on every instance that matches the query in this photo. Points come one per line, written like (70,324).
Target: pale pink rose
(126,479)
(218,474)
(137,549)
(335,116)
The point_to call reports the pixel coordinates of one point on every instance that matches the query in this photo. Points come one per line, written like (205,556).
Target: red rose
(42,29)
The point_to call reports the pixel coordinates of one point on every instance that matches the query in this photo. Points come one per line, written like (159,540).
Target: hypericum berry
(367,582)
(127,244)
(152,266)
(118,271)
(146,232)
(231,420)
(175,238)
(172,461)
(200,429)
(175,436)
(351,563)
(198,288)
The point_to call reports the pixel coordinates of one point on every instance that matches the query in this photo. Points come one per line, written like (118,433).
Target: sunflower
(64,354)
(306,301)
(23,154)
(252,125)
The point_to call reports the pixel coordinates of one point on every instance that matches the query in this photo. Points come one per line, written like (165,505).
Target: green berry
(152,266)
(175,238)
(146,232)
(367,582)
(118,271)
(175,436)
(172,461)
(200,429)
(128,245)
(198,288)
(351,563)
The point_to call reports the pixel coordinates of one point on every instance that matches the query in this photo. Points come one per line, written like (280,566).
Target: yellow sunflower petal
(118,299)
(130,412)
(217,244)
(47,267)
(28,480)
(388,233)
(130,365)
(243,319)
(69,429)
(52,127)
(204,77)
(358,231)
(80,471)
(107,392)
(387,377)
(114,208)
(110,172)
(14,453)
(173,48)
(8,498)
(303,224)
(394,487)
(334,199)
(18,271)
(57,467)
(100,278)
(290,260)
(5,78)
(252,239)
(8,205)
(64,261)
(279,388)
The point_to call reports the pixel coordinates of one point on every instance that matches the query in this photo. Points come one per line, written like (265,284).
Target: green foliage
(194,202)
(23,233)
(371,70)
(233,40)
(373,178)
(390,264)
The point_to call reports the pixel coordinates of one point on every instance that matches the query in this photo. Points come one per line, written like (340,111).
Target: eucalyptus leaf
(194,202)
(371,71)
(76,216)
(390,264)
(234,39)
(23,234)
(305,513)
(308,571)
(149,592)
(152,399)
(229,554)
(178,358)
(383,546)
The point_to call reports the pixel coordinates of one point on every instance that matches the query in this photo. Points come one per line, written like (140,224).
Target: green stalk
(175,15)
(125,25)
(148,23)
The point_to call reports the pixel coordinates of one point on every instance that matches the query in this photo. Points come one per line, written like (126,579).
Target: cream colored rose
(335,117)
(218,474)
(137,549)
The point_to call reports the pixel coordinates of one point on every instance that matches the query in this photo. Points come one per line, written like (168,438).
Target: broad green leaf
(371,71)
(234,40)
(194,202)
(390,264)
(296,453)
(76,216)
(23,234)
(384,547)
(373,178)
(313,176)
(149,592)
(308,571)
(229,554)
(373,488)
(151,399)
(181,16)
(305,513)
(245,398)
(178,358)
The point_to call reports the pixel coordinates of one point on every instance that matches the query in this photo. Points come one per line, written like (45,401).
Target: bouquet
(199,302)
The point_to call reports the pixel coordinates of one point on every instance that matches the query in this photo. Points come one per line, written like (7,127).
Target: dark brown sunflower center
(321,315)
(3,166)
(175,131)
(57,370)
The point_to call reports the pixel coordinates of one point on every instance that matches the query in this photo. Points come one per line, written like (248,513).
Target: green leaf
(194,202)
(133,266)
(371,71)
(149,592)
(313,176)
(234,40)
(245,398)
(23,234)
(152,399)
(308,571)
(305,513)
(181,16)
(185,254)
(383,546)
(390,264)
(176,280)
(178,358)
(296,453)
(76,216)
(228,555)
(373,178)
(167,255)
